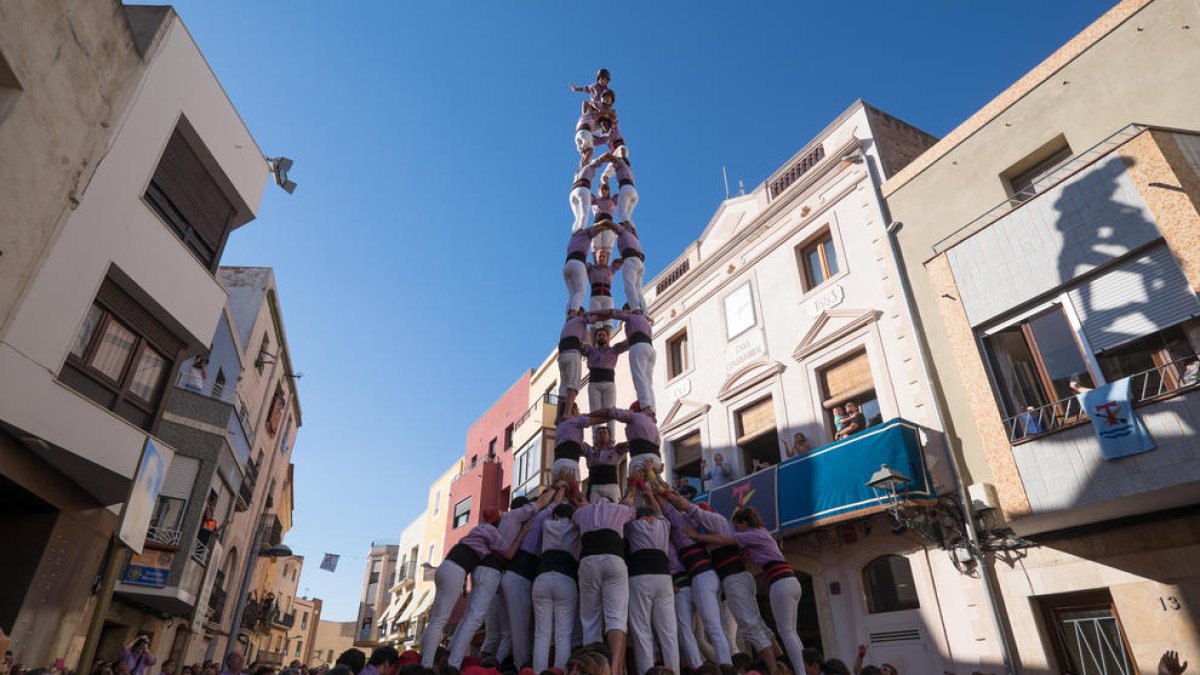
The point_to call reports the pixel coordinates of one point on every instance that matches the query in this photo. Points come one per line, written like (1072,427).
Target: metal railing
(1147,385)
(286,620)
(200,553)
(546,399)
(1069,168)
(164,535)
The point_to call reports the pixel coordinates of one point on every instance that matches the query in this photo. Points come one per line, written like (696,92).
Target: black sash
(681,580)
(569,343)
(602,289)
(639,337)
(557,560)
(777,570)
(641,446)
(577,255)
(603,474)
(525,564)
(493,561)
(582,182)
(602,374)
(728,561)
(622,182)
(567,450)
(648,561)
(695,559)
(602,542)
(633,253)
(464,556)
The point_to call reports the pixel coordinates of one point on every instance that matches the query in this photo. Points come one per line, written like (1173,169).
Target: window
(1167,353)
(462,513)
(758,438)
(1086,633)
(218,388)
(686,459)
(1032,175)
(437,501)
(739,311)
(263,353)
(508,437)
(278,405)
(492,449)
(121,356)
(818,260)
(845,382)
(1034,361)
(188,199)
(430,558)
(304,621)
(677,357)
(10,88)
(168,515)
(888,582)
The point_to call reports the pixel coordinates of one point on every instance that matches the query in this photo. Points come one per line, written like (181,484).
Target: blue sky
(419,261)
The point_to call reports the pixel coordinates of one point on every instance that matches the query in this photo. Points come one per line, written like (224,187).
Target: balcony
(164,536)
(828,485)
(539,416)
(246,489)
(1066,478)
(284,620)
(270,658)
(407,573)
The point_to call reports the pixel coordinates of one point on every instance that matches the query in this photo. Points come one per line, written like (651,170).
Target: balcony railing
(828,484)
(163,535)
(407,572)
(200,553)
(271,658)
(285,620)
(1146,386)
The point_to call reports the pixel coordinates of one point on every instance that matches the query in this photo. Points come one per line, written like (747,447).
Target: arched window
(888,582)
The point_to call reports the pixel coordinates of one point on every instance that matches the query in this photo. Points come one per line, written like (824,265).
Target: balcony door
(1086,634)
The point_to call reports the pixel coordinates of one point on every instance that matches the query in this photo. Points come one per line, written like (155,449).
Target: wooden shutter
(129,311)
(847,379)
(687,449)
(756,420)
(182,178)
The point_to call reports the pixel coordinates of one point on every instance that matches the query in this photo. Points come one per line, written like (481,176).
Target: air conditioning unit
(983,496)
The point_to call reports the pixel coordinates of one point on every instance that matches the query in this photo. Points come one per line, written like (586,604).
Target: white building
(790,303)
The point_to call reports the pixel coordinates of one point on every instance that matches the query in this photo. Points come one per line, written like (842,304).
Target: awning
(417,608)
(393,609)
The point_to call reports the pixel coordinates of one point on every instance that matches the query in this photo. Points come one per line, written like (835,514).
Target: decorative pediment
(684,411)
(749,376)
(830,326)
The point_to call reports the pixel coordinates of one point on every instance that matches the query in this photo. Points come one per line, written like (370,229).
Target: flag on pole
(330,562)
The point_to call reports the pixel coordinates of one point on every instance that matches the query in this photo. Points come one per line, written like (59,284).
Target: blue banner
(757,490)
(1118,428)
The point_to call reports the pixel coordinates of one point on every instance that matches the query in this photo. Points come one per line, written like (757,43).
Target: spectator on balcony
(757,464)
(853,421)
(208,522)
(197,373)
(799,445)
(136,655)
(684,487)
(717,474)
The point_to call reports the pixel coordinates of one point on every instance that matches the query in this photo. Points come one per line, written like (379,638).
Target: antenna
(726,177)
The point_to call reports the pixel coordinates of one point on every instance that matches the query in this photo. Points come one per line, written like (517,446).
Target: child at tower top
(595,91)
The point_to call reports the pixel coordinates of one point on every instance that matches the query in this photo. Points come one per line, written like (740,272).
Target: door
(1086,635)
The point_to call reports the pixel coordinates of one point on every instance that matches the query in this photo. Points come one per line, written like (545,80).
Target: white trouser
(706,596)
(497,640)
(581,206)
(555,599)
(652,606)
(516,591)
(641,370)
(611,492)
(688,647)
(565,469)
(599,302)
(570,371)
(603,595)
(605,241)
(575,276)
(648,461)
(627,199)
(485,581)
(743,604)
(632,271)
(603,395)
(448,580)
(785,605)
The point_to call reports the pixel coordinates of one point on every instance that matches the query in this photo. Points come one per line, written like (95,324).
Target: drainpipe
(999,621)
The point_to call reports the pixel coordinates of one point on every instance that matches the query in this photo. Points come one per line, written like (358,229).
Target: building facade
(301,645)
(332,638)
(110,287)
(402,592)
(377,580)
(1051,244)
(437,515)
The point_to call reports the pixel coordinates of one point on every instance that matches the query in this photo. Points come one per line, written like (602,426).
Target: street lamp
(887,483)
(257,551)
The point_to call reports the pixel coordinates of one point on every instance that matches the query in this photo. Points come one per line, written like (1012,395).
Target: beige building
(301,643)
(430,555)
(108,288)
(394,622)
(331,639)
(378,577)
(1052,243)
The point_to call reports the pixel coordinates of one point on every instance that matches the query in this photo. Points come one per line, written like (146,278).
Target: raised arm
(617,264)
(508,553)
(711,538)
(631,494)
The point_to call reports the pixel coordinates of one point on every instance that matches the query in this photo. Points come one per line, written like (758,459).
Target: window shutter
(687,449)
(180,477)
(462,507)
(139,319)
(192,191)
(756,420)
(1134,299)
(847,379)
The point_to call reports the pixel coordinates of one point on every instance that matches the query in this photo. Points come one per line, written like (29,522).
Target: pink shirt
(679,521)
(484,539)
(603,204)
(570,429)
(575,327)
(511,522)
(606,357)
(610,456)
(634,323)
(581,240)
(600,275)
(759,545)
(624,172)
(603,515)
(641,533)
(638,426)
(715,523)
(532,541)
(628,241)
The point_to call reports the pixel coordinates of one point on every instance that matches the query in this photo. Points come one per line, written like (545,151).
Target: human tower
(569,568)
